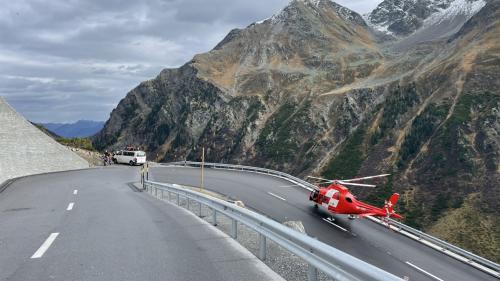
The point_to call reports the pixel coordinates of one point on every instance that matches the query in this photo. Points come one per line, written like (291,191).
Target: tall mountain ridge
(316,89)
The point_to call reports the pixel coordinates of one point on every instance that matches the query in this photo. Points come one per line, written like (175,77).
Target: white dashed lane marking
(75,192)
(334,224)
(70,206)
(423,271)
(274,195)
(45,246)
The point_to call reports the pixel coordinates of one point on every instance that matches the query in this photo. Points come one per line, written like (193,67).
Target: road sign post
(202,166)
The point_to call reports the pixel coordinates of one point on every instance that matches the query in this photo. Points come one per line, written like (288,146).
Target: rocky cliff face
(314,90)
(232,99)
(404,17)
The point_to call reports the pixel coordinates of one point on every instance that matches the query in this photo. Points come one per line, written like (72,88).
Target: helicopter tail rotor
(388,206)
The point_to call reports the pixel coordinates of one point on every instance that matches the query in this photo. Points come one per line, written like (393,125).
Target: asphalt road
(91,225)
(373,243)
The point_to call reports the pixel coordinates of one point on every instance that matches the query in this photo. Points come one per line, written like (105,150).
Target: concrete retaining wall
(25,150)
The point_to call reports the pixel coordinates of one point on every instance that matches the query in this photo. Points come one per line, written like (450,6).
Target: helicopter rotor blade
(321,179)
(356,184)
(366,178)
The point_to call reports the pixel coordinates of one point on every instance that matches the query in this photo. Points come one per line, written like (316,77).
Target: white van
(130,157)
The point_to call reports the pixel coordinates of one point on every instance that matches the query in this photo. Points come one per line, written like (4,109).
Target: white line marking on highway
(45,246)
(70,206)
(423,271)
(334,224)
(279,197)
(75,192)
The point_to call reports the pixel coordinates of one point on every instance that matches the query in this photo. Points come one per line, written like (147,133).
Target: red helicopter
(337,199)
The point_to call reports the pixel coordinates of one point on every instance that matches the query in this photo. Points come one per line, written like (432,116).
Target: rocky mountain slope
(413,21)
(404,17)
(314,89)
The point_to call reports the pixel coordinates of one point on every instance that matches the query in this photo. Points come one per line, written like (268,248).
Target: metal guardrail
(298,181)
(318,255)
(472,259)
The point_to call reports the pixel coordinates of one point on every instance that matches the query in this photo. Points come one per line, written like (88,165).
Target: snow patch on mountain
(384,28)
(458,7)
(402,18)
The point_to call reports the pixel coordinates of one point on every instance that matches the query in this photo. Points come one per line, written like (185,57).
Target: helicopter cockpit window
(348,199)
(336,196)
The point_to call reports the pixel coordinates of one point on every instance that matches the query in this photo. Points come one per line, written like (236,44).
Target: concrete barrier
(25,150)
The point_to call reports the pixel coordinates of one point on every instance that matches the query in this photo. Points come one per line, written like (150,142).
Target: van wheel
(131,163)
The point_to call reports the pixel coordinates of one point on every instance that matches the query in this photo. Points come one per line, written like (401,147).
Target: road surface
(373,243)
(91,225)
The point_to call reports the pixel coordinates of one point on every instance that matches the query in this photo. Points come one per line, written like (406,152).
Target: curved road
(373,243)
(92,225)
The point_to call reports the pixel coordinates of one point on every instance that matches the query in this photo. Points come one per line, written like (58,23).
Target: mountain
(316,90)
(79,129)
(404,17)
(270,70)
(45,130)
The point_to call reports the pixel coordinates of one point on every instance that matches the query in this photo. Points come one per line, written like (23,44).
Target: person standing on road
(107,158)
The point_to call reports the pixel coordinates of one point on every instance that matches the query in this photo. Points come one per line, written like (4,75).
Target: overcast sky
(61,61)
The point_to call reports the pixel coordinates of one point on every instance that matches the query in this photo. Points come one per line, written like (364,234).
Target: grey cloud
(66,60)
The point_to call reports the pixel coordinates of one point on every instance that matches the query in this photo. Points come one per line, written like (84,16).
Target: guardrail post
(162,197)
(187,204)
(262,247)
(199,209)
(234,229)
(178,200)
(156,192)
(312,273)
(214,217)
(169,196)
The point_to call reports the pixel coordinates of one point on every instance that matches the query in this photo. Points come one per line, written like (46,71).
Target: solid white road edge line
(334,224)
(75,192)
(279,197)
(45,246)
(70,206)
(423,271)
